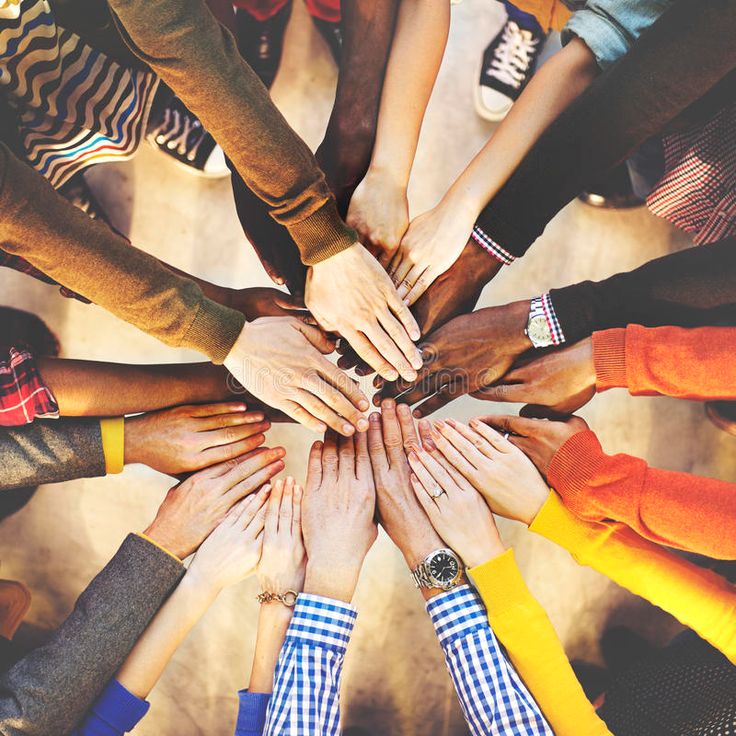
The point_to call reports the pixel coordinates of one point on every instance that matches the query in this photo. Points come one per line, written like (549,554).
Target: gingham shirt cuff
(322,622)
(491,246)
(456,614)
(555,328)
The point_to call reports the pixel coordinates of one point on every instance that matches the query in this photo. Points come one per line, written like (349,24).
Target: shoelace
(512,57)
(175,133)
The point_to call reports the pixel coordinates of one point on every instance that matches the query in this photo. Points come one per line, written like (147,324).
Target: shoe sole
(480,108)
(191,170)
(19,609)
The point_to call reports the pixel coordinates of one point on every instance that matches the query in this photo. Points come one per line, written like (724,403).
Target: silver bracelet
(288,598)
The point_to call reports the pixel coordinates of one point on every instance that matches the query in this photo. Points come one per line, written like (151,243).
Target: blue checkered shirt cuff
(322,622)
(491,246)
(457,613)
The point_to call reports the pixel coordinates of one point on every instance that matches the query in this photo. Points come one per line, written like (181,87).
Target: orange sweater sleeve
(680,510)
(686,364)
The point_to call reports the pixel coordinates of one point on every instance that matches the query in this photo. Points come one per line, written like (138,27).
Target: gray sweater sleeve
(49,691)
(50,452)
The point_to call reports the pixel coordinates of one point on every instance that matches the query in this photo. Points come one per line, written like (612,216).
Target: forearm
(551,90)
(686,364)
(675,509)
(273,623)
(92,388)
(168,629)
(421,33)
(532,645)
(698,598)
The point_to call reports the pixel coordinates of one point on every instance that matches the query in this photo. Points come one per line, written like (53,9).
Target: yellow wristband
(113,443)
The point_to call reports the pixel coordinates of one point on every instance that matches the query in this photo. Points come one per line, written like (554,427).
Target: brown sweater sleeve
(86,256)
(199,59)
(687,364)
(679,510)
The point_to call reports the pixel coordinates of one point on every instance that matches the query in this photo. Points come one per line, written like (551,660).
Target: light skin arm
(436,238)
(379,209)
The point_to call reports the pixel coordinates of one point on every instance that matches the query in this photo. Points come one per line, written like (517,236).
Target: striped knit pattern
(494,700)
(306,691)
(491,246)
(75,106)
(698,190)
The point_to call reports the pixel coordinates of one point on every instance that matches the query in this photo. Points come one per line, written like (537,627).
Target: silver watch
(439,569)
(537,326)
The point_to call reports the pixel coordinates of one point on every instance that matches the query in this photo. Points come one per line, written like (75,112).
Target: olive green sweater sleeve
(41,226)
(199,59)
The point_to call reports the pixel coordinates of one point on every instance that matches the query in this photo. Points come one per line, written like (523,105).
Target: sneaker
(332,34)
(181,136)
(507,65)
(78,192)
(261,42)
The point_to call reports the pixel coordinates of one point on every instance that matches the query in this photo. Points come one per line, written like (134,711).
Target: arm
(48,691)
(86,256)
(379,209)
(185,45)
(675,509)
(687,364)
(367,30)
(628,104)
(698,598)
(532,645)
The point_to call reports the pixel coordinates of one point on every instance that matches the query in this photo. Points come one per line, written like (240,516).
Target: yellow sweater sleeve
(522,626)
(698,598)
(113,443)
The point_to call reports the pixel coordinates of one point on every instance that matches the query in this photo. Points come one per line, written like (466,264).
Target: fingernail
(474,423)
(321,427)
(348,429)
(391,375)
(375,417)
(402,409)
(434,433)
(439,423)
(452,422)
(417,414)
(318,445)
(389,404)
(409,375)
(429,446)
(362,425)
(363,405)
(413,455)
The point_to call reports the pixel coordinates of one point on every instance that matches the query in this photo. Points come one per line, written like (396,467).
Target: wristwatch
(537,326)
(439,569)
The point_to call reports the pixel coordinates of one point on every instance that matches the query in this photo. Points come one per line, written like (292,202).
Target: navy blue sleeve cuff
(252,713)
(119,707)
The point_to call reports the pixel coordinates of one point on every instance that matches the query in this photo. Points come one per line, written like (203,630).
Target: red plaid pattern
(21,264)
(698,190)
(23,395)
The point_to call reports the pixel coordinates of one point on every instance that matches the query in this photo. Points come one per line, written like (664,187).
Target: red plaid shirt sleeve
(23,394)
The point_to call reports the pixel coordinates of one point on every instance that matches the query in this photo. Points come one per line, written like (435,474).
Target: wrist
(463,203)
(482,551)
(134,439)
(384,176)
(512,323)
(166,541)
(327,580)
(202,582)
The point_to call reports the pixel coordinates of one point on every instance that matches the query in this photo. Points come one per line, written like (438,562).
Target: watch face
(538,330)
(443,567)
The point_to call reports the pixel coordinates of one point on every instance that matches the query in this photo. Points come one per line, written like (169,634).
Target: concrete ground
(395,681)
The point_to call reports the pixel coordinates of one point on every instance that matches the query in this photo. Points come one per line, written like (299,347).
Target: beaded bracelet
(288,598)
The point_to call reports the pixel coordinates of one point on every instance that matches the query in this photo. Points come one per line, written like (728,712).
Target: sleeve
(252,709)
(628,104)
(50,690)
(690,288)
(686,364)
(306,692)
(675,509)
(113,443)
(50,452)
(610,27)
(199,59)
(493,698)
(698,598)
(533,647)
(38,224)
(24,396)
(116,712)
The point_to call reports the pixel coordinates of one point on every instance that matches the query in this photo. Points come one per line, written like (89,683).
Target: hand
(281,360)
(283,559)
(494,467)
(469,352)
(538,439)
(390,435)
(188,438)
(457,511)
(379,212)
(231,552)
(351,294)
(433,242)
(192,509)
(337,515)
(561,381)
(267,302)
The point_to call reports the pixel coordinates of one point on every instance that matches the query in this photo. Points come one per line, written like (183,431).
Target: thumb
(317,338)
(288,301)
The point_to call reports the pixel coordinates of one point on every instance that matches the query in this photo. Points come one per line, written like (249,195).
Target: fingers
(313,401)
(346,457)
(376,448)
(479,442)
(407,282)
(513,393)
(362,458)
(314,467)
(348,389)
(330,463)
(274,504)
(245,511)
(296,516)
(406,422)
(253,517)
(421,280)
(384,335)
(460,443)
(535,411)
(425,435)
(432,487)
(221,469)
(232,433)
(444,395)
(497,440)
(425,500)
(454,456)
(285,510)
(249,464)
(250,484)
(405,317)
(229,452)
(366,350)
(300,415)
(520,426)
(223,407)
(392,438)
(444,479)
(399,270)
(288,301)
(317,338)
